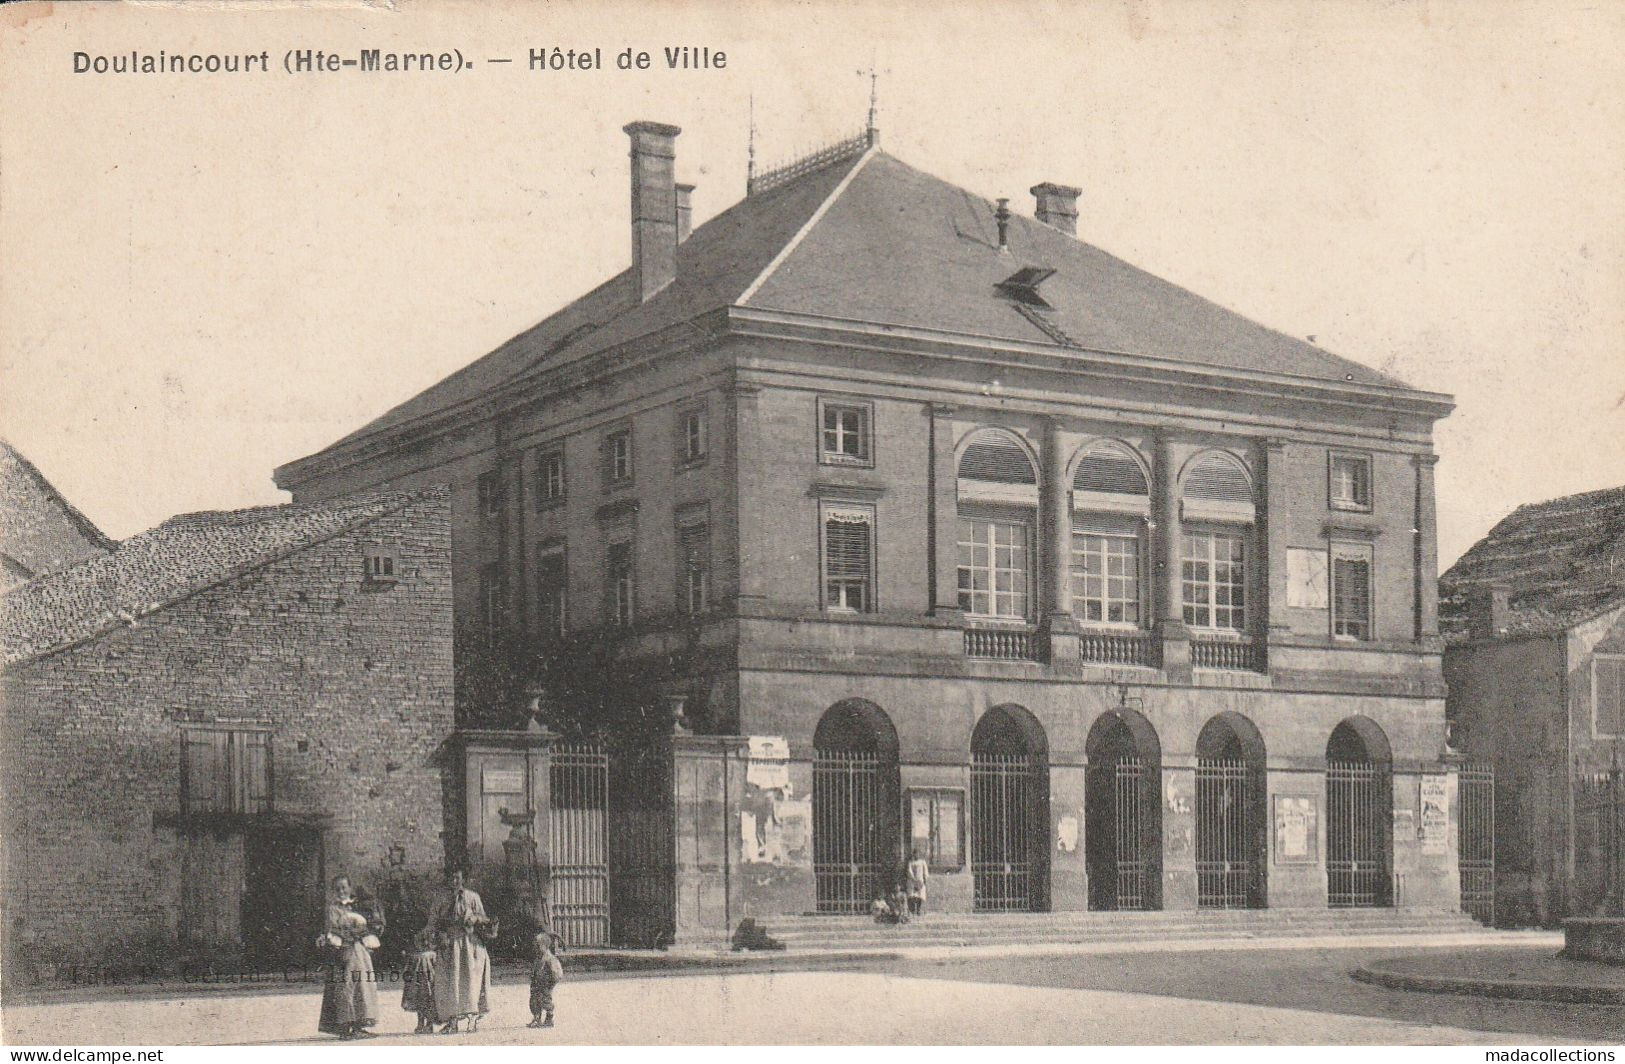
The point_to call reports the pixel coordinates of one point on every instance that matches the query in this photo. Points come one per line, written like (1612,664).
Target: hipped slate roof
(1563,562)
(40,531)
(179,558)
(872,240)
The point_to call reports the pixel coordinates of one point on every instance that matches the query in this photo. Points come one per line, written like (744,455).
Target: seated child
(418,996)
(545,973)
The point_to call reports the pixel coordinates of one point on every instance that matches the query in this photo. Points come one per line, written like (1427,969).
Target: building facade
(205,724)
(1535,617)
(956,535)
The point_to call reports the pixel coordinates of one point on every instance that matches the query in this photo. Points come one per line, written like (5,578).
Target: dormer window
(1022,286)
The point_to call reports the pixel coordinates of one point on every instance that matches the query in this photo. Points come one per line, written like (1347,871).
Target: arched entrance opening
(855,802)
(1230,817)
(1123,813)
(1009,801)
(1359,816)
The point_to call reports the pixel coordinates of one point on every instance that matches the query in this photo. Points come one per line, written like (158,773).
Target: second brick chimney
(1058,206)
(654,205)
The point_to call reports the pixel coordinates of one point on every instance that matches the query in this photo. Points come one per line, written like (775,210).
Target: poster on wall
(1434,831)
(768,764)
(1297,829)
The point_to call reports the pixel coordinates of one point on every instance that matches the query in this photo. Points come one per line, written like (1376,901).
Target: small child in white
(545,973)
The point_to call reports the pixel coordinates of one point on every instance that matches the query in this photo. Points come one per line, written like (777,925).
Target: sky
(205,276)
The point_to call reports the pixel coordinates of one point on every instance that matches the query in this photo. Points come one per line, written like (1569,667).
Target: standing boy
(545,973)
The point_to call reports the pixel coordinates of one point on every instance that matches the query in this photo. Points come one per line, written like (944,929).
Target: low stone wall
(1595,938)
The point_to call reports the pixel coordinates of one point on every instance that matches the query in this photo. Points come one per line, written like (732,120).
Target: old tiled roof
(40,531)
(1562,561)
(180,557)
(869,239)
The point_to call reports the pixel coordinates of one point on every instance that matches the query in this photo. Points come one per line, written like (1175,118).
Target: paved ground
(1230,995)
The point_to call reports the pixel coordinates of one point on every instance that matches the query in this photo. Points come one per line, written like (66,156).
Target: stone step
(949,929)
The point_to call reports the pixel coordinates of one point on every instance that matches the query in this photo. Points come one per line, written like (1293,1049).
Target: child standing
(919,870)
(545,973)
(418,996)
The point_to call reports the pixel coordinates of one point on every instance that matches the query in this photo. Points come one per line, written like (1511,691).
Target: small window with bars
(489,489)
(550,590)
(618,456)
(995,568)
(1351,591)
(380,566)
(848,556)
(692,430)
(492,601)
(1214,580)
(693,567)
(1349,481)
(1608,694)
(619,584)
(549,477)
(225,770)
(844,435)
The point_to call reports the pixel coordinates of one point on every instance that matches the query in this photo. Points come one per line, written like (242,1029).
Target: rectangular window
(491,600)
(1349,477)
(550,589)
(619,584)
(845,437)
(1105,575)
(849,537)
(691,436)
(550,477)
(1351,591)
(994,568)
(1608,694)
(489,488)
(618,456)
(1214,577)
(693,567)
(225,770)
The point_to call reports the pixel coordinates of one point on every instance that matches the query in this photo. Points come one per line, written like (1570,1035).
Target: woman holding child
(350,993)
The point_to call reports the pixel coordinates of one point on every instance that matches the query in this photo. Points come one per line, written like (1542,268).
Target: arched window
(1216,498)
(1110,505)
(1107,467)
(998,499)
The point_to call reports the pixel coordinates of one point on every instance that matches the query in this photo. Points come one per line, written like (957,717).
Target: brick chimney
(654,205)
(685,211)
(1489,611)
(1058,206)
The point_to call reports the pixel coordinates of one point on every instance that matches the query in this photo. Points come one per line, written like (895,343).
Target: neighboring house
(40,531)
(1535,616)
(961,536)
(203,724)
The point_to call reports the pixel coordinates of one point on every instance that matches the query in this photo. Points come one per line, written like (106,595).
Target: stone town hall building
(989,546)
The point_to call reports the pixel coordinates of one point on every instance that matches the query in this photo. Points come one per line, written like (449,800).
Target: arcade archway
(1230,816)
(1359,816)
(1009,825)
(855,801)
(1123,813)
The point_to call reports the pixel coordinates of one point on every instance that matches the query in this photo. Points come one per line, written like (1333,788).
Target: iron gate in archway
(1359,801)
(1475,840)
(578,837)
(1004,861)
(1227,861)
(1128,786)
(849,851)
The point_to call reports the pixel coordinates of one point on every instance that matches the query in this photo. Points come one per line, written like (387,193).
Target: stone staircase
(814,932)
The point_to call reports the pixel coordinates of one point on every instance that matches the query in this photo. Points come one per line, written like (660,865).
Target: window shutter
(694,543)
(847,537)
(1107,467)
(997,459)
(1218,479)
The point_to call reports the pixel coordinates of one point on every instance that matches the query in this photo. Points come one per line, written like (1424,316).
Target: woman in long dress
(350,992)
(462,968)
